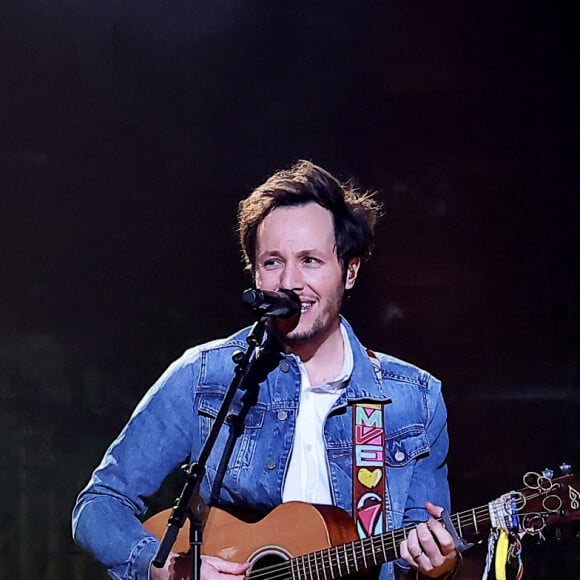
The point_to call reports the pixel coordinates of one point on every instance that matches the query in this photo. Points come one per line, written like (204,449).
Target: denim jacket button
(270,464)
(282,415)
(399,456)
(284,366)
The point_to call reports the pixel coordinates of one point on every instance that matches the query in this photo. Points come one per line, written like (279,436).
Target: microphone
(281,304)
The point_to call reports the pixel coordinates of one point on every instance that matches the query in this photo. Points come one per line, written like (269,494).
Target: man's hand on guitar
(178,567)
(429,548)
(212,567)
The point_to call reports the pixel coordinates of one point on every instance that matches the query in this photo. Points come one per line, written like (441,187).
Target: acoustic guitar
(299,540)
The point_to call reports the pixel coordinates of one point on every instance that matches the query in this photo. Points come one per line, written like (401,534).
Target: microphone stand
(194,473)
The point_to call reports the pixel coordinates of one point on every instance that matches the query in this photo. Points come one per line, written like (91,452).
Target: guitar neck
(361,555)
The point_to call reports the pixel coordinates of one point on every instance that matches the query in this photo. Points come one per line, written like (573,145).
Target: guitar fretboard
(361,555)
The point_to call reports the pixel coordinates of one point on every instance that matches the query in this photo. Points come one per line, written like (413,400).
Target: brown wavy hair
(354,213)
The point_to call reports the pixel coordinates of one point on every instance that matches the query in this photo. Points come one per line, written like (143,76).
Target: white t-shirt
(307,476)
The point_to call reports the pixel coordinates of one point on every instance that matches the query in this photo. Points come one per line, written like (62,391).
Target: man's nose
(291,278)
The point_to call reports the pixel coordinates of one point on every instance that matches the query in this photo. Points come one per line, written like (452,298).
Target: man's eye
(312,260)
(270,263)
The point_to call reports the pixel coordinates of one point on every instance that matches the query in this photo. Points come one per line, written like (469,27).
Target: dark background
(130,130)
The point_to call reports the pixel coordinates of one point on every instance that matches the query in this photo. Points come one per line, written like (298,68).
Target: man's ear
(351,273)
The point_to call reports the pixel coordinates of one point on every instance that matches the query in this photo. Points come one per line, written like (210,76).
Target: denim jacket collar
(366,381)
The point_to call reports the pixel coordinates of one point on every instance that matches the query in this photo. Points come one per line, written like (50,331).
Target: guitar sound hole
(266,561)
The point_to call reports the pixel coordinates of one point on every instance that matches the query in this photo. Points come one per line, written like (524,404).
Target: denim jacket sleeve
(429,481)
(155,441)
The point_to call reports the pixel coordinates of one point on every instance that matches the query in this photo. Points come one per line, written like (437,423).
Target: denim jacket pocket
(208,406)
(406,445)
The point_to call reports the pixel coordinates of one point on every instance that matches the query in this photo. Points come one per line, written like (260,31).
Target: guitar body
(290,530)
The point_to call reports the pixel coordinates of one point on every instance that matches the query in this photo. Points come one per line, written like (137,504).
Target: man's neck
(323,359)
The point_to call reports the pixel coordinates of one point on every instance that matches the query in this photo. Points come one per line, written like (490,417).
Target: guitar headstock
(547,500)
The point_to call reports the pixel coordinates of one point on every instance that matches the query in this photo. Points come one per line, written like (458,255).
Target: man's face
(295,250)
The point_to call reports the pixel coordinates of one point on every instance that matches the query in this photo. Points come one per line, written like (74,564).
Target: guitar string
(368,547)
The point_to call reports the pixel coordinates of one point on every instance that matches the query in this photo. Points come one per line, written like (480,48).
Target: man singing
(307,437)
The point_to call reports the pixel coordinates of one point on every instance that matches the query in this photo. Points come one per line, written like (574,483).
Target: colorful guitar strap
(368,464)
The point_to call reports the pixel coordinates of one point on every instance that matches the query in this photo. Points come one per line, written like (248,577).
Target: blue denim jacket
(173,419)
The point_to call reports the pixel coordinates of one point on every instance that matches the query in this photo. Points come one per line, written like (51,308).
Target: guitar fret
(306,574)
(338,562)
(474,521)
(373,552)
(394,544)
(458,524)
(328,563)
(354,556)
(346,561)
(316,566)
(323,565)
(364,555)
(292,568)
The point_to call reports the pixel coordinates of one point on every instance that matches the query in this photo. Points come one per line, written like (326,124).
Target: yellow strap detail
(501,554)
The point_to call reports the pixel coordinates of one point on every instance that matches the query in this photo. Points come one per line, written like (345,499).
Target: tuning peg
(566,469)
(548,473)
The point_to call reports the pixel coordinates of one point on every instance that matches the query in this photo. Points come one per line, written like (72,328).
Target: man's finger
(225,566)
(433,510)
(442,536)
